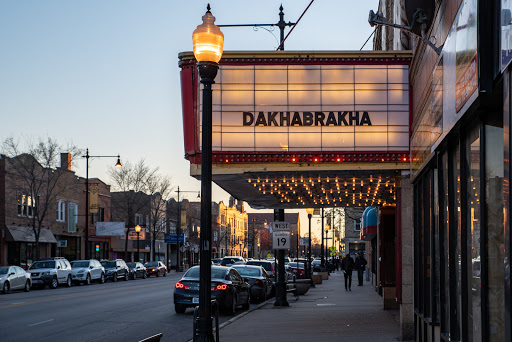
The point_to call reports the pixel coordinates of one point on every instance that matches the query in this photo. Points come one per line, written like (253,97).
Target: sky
(104,75)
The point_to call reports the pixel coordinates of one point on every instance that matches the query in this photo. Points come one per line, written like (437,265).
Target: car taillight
(180,285)
(258,283)
(220,287)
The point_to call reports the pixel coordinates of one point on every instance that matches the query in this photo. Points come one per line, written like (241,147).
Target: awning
(369,224)
(26,234)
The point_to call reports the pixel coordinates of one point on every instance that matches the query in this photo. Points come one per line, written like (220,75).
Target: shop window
(99,216)
(444,266)
(26,205)
(494,238)
(139,220)
(61,211)
(473,219)
(357,225)
(436,255)
(72,217)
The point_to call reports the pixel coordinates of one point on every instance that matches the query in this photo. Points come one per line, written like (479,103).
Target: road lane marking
(78,296)
(48,320)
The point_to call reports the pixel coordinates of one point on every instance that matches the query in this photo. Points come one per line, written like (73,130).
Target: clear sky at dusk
(104,74)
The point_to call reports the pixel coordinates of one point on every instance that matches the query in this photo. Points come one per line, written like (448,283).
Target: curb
(231,320)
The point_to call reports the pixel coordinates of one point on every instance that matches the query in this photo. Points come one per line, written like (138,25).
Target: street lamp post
(322,256)
(308,271)
(87,156)
(208,43)
(178,229)
(137,230)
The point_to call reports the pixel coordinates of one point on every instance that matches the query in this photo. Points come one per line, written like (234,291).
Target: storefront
(460,155)
(21,247)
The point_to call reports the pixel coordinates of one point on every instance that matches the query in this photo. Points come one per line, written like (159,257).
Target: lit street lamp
(208,43)
(137,230)
(87,156)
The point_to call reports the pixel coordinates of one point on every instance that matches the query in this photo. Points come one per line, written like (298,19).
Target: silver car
(51,272)
(14,278)
(85,271)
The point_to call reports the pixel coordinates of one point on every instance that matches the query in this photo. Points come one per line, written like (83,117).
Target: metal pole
(178,228)
(138,249)
(280,285)
(207,72)
(322,244)
(87,256)
(282,25)
(309,274)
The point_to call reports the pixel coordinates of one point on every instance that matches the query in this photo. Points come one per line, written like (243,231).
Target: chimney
(231,201)
(65,161)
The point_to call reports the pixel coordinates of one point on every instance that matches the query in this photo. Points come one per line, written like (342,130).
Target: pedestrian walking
(347,266)
(359,266)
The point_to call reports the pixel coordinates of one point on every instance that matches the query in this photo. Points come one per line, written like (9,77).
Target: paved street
(122,311)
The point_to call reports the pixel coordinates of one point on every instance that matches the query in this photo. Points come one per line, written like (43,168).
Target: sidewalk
(326,313)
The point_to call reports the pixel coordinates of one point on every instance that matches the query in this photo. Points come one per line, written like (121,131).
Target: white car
(51,272)
(86,271)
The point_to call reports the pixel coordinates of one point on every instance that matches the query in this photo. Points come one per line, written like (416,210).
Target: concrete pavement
(326,313)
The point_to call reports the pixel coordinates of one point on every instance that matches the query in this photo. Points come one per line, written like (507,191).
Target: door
(20,277)
(61,273)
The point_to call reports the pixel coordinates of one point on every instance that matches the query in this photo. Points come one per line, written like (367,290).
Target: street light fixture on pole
(208,45)
(87,156)
(178,228)
(137,230)
(308,271)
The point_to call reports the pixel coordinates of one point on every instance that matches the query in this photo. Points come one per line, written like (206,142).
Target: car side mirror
(12,273)
(91,267)
(58,267)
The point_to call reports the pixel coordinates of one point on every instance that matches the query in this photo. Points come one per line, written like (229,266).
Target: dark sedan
(137,270)
(228,288)
(156,268)
(258,278)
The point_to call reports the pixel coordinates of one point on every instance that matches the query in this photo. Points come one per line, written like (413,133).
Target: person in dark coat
(359,267)
(347,266)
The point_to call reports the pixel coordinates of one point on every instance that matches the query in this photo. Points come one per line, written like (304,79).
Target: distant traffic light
(97,248)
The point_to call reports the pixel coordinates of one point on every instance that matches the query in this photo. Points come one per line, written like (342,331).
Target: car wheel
(27,286)
(158,274)
(126,275)
(165,273)
(144,275)
(247,304)
(7,288)
(179,308)
(114,277)
(69,282)
(102,278)
(88,280)
(55,283)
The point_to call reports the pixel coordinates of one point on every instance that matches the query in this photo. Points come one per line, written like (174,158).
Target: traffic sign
(173,238)
(280,226)
(281,240)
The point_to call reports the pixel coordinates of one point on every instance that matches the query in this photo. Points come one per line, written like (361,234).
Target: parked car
(258,279)
(156,268)
(86,271)
(216,261)
(115,269)
(228,288)
(14,278)
(269,266)
(51,272)
(230,260)
(137,270)
(299,269)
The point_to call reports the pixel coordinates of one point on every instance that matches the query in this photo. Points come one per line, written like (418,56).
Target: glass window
(72,217)
(473,236)
(495,237)
(61,210)
(455,245)
(444,266)
(436,257)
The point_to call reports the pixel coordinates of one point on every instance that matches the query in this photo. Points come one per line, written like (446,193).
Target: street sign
(172,238)
(304,241)
(280,226)
(281,240)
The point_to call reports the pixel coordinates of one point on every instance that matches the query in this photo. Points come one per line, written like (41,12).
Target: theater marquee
(291,103)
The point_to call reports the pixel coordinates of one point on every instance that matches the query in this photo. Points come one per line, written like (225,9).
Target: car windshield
(248,271)
(108,264)
(80,264)
(43,264)
(3,270)
(265,265)
(130,264)
(216,273)
(151,264)
(294,264)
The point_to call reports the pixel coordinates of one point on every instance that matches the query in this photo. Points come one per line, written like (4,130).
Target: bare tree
(34,172)
(131,186)
(160,189)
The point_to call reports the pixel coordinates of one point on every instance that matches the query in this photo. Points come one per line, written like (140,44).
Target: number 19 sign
(281,235)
